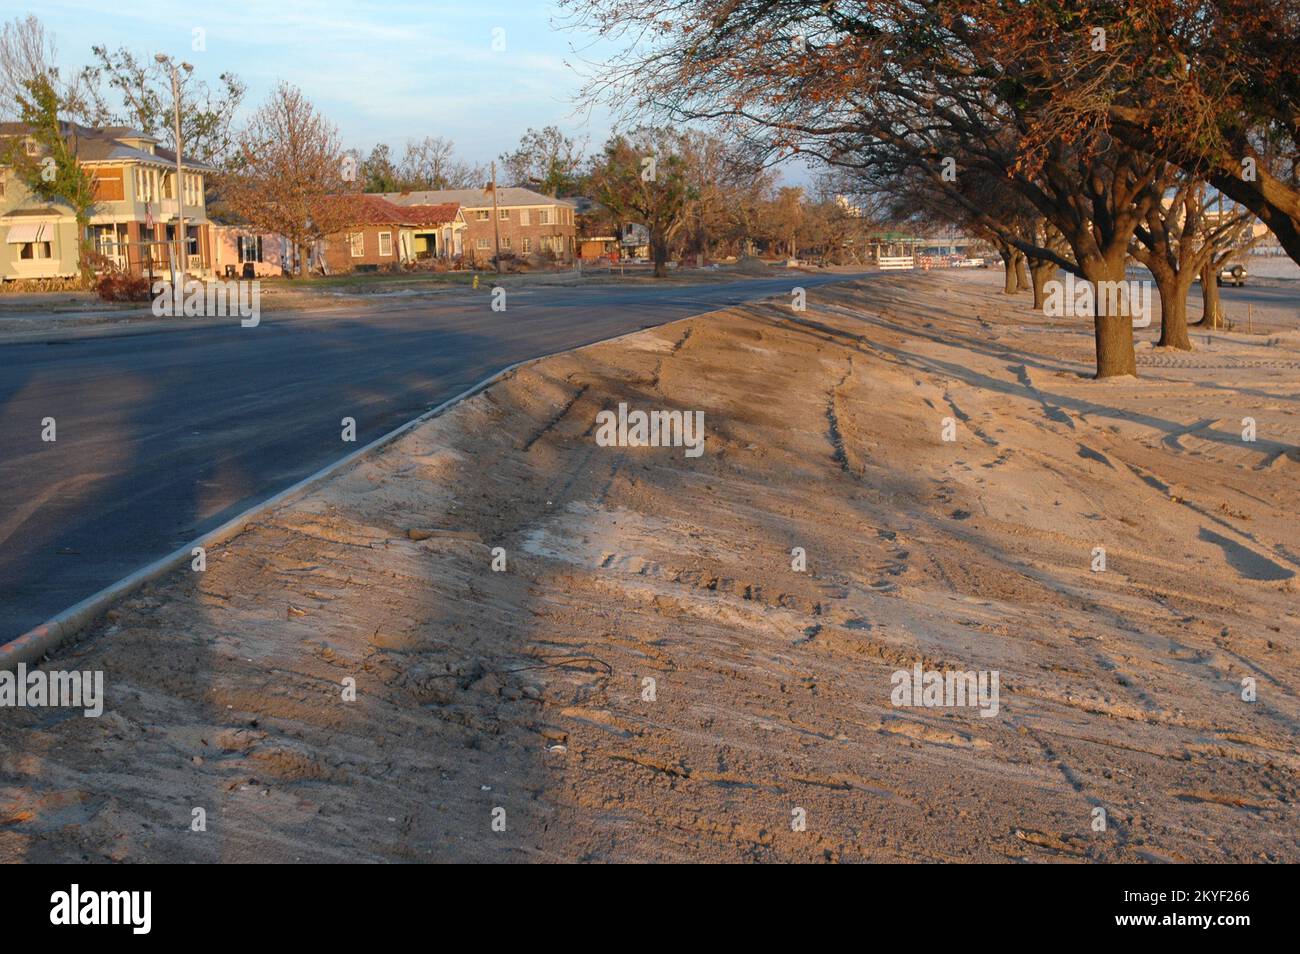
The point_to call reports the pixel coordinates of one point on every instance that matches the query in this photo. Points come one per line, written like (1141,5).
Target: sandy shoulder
(526,690)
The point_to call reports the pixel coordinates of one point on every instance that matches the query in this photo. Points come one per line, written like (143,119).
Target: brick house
(529,223)
(382,233)
(134,220)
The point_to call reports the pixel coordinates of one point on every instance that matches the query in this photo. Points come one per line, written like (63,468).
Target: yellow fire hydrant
(476,283)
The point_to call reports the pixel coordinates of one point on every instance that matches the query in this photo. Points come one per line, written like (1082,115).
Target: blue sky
(382,72)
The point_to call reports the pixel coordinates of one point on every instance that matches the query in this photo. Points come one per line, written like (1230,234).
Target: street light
(181,260)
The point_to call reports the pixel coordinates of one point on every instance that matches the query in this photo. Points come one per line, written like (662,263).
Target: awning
(25,232)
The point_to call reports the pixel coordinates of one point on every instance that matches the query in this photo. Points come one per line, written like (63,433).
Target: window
(505,243)
(524,217)
(544,217)
(483,215)
(482,243)
(528,245)
(169,186)
(503,214)
(32,148)
(146,185)
(250,248)
(357,243)
(34,250)
(385,243)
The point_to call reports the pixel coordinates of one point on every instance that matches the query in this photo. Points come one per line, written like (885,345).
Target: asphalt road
(165,433)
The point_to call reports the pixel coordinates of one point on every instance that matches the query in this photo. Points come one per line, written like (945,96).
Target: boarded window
(108,185)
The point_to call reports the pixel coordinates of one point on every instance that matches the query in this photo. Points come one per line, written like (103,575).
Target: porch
(149,251)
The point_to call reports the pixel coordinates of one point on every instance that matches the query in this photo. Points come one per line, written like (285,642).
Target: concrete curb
(40,640)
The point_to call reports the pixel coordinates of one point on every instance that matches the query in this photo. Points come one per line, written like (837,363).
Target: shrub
(123,286)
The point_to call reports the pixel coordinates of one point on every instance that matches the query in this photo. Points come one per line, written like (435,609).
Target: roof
(363,208)
(105,145)
(432,214)
(38,212)
(475,198)
(366,209)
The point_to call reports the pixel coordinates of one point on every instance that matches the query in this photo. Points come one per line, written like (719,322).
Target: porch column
(134,253)
(205,247)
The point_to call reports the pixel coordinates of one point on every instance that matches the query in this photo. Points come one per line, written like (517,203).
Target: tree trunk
(1173,289)
(1113,333)
(660,249)
(1212,314)
(1041,272)
(84,269)
(1022,275)
(1011,281)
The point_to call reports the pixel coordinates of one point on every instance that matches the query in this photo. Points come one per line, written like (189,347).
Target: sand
(506,715)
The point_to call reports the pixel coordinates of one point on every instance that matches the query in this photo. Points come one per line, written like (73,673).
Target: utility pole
(182,259)
(496,221)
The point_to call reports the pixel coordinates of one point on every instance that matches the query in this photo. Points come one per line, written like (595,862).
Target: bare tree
(547,159)
(290,173)
(121,90)
(936,79)
(27,54)
(425,162)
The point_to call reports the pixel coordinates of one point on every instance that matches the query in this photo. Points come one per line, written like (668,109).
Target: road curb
(32,645)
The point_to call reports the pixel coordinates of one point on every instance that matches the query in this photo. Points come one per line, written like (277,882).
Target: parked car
(1234,275)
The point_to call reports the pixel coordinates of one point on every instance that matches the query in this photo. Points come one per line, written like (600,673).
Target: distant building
(848,207)
(382,233)
(528,222)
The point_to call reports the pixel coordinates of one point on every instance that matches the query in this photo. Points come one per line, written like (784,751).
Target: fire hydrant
(476,283)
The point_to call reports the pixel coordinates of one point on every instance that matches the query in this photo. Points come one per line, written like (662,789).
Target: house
(635,239)
(438,230)
(138,202)
(528,222)
(598,246)
(242,252)
(382,233)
